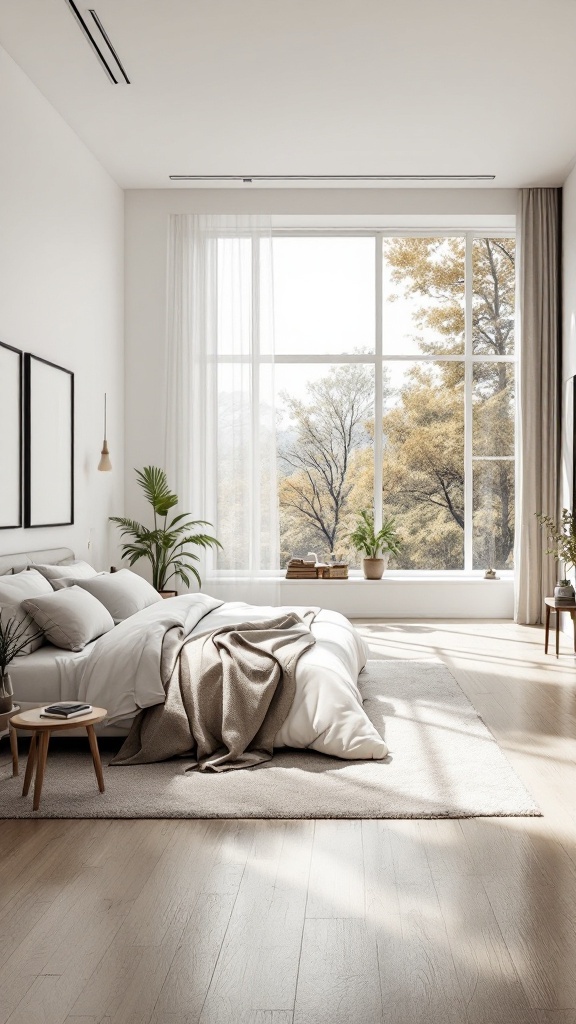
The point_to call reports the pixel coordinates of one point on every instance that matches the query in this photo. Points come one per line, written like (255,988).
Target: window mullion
(468,369)
(255,409)
(378,389)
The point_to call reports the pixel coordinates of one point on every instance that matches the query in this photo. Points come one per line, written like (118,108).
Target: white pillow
(14,590)
(71,570)
(123,593)
(70,618)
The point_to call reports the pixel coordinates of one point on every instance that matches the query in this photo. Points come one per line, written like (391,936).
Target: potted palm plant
(167,545)
(14,637)
(375,545)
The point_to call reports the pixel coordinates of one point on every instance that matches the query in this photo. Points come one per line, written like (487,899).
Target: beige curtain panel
(539,394)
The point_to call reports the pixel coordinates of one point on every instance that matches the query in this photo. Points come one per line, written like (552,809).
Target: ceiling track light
(93,43)
(247,179)
(108,42)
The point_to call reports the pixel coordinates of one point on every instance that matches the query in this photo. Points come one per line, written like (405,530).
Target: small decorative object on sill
(168,593)
(336,571)
(490,574)
(564,591)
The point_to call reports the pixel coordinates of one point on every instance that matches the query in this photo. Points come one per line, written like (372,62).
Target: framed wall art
(48,443)
(10,437)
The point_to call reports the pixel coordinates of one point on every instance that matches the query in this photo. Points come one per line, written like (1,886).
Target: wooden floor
(327,922)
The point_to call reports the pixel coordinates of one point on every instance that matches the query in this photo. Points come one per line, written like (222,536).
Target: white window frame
(377,359)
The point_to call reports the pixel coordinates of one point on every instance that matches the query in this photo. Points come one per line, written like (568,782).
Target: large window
(394,390)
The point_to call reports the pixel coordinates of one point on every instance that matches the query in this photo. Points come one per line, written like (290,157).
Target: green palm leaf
(153,482)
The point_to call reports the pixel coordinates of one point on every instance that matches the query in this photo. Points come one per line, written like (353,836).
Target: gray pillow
(70,618)
(13,591)
(72,581)
(123,593)
(72,570)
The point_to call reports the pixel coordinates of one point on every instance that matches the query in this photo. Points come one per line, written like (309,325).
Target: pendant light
(105,465)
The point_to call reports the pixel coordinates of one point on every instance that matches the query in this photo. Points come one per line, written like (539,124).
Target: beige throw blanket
(228,693)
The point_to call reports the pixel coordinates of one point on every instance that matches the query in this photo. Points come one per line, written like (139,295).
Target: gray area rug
(443,763)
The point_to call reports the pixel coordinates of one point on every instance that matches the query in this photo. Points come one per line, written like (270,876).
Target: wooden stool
(552,605)
(42,729)
(5,718)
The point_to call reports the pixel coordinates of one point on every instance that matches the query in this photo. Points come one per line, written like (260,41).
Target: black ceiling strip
(94,45)
(331,177)
(106,38)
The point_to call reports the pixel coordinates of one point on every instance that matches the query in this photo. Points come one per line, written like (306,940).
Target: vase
(564,591)
(6,693)
(373,568)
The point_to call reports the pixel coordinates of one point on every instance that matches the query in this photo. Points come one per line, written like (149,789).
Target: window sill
(388,578)
(394,596)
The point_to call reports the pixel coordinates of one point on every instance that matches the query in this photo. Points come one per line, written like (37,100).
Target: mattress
(49,674)
(41,677)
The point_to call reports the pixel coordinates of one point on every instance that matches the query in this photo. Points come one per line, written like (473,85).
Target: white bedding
(122,672)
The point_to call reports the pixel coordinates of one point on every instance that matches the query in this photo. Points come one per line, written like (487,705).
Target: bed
(121,669)
(49,674)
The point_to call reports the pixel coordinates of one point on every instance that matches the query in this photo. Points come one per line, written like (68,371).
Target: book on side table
(65,710)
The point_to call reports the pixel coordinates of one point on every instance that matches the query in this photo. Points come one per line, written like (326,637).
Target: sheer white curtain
(220,411)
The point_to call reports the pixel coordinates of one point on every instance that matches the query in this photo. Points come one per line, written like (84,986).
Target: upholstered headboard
(19,561)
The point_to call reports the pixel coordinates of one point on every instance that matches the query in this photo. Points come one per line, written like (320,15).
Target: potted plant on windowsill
(562,537)
(167,545)
(376,546)
(14,637)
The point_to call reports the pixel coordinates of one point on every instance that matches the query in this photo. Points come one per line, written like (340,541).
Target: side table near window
(552,605)
(5,724)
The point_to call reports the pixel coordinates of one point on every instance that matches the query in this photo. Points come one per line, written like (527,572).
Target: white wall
(147,212)
(61,293)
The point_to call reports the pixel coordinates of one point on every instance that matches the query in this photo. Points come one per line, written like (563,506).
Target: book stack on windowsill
(336,571)
(301,569)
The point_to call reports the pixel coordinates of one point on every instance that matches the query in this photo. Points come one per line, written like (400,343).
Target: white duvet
(122,672)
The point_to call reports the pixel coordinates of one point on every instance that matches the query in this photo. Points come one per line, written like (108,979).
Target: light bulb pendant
(104,465)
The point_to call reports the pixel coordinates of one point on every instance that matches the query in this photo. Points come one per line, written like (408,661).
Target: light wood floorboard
(281,922)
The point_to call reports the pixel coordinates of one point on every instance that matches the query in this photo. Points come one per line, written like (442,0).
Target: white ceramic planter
(373,568)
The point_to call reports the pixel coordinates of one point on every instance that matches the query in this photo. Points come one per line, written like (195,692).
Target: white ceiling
(312,86)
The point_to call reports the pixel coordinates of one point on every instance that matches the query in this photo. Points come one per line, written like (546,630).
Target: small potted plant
(14,637)
(167,544)
(375,545)
(562,537)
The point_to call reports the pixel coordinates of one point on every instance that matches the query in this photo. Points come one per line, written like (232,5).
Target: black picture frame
(48,443)
(11,457)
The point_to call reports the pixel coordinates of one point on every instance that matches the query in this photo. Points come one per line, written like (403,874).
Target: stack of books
(65,710)
(336,571)
(301,569)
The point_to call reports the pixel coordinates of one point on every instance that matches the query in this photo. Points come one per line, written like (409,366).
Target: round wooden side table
(42,729)
(5,720)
